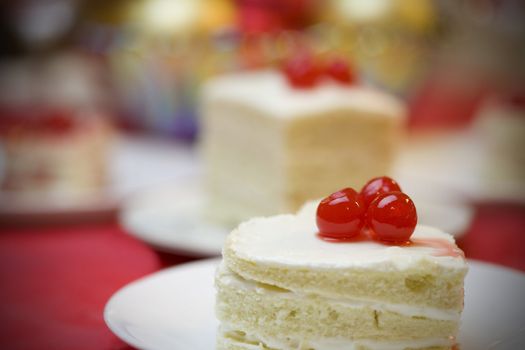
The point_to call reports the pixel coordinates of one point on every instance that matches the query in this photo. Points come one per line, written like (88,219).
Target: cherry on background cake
(331,277)
(270,136)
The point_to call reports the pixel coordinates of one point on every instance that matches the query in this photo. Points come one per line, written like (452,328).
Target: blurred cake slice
(55,153)
(281,287)
(55,135)
(269,147)
(500,125)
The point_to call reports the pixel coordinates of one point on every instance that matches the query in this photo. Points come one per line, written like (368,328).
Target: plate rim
(161,245)
(106,312)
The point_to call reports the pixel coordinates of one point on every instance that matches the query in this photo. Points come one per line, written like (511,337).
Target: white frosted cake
(281,287)
(501,126)
(269,147)
(55,154)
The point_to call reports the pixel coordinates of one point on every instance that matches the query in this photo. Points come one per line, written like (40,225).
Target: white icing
(291,240)
(229,278)
(269,91)
(339,343)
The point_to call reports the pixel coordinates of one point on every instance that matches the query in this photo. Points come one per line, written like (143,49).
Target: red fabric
(442,102)
(497,235)
(55,282)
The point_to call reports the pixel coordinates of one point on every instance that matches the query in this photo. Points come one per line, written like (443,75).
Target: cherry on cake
(273,139)
(355,281)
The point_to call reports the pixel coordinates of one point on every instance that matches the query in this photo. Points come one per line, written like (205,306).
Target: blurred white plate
(456,161)
(20,209)
(451,218)
(174,309)
(438,206)
(172,219)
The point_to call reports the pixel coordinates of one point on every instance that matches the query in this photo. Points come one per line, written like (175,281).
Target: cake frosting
(300,246)
(270,92)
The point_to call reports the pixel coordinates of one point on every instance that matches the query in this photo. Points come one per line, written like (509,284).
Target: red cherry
(302,71)
(376,186)
(339,70)
(392,217)
(340,216)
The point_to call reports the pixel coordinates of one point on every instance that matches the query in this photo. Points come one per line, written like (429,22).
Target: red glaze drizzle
(442,247)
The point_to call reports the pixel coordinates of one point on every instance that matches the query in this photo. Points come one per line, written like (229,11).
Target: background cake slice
(282,287)
(268,146)
(55,153)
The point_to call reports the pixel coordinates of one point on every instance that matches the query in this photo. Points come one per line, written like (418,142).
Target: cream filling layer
(254,341)
(228,278)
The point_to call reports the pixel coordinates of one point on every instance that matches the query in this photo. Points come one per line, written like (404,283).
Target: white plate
(172,219)
(439,206)
(457,162)
(173,309)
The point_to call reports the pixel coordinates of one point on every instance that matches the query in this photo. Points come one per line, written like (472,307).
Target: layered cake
(55,134)
(267,140)
(500,125)
(318,281)
(54,153)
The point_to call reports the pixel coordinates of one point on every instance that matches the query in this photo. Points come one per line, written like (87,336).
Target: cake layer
(268,310)
(250,175)
(335,149)
(286,252)
(241,147)
(229,339)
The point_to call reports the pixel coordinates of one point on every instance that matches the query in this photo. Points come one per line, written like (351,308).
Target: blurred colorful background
(143,61)
(100,115)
